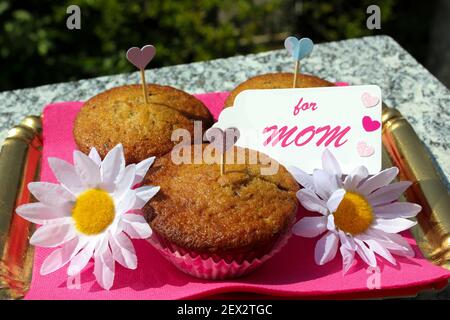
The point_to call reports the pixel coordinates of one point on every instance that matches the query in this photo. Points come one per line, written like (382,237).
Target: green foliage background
(37,48)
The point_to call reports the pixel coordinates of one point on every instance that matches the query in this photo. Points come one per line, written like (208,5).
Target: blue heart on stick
(298,48)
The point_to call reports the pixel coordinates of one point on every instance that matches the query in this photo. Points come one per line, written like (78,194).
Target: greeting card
(296,125)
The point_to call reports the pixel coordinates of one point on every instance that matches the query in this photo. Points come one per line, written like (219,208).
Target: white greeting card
(294,126)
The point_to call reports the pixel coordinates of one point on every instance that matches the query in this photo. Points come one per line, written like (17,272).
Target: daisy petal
(353,180)
(330,223)
(66,175)
(395,243)
(39,213)
(397,210)
(86,169)
(53,235)
(61,256)
(112,165)
(388,193)
(123,250)
(143,195)
(365,253)
(142,168)
(403,248)
(347,241)
(127,202)
(379,180)
(311,201)
(135,226)
(326,248)
(408,252)
(126,181)
(347,258)
(93,154)
(347,249)
(335,199)
(79,262)
(104,266)
(51,194)
(330,164)
(310,227)
(393,225)
(324,183)
(304,179)
(378,248)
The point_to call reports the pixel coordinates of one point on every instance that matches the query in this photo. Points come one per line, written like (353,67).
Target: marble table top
(379,60)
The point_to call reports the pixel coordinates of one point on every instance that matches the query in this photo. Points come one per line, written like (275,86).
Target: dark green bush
(37,48)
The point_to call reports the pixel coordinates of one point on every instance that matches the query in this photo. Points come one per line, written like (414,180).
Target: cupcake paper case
(209,267)
(217,227)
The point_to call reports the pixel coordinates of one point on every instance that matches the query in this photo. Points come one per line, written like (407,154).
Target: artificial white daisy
(359,213)
(92,212)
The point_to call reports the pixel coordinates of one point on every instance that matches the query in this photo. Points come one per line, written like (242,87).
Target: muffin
(276,81)
(220,225)
(120,115)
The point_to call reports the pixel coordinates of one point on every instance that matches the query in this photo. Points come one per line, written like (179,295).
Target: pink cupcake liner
(212,267)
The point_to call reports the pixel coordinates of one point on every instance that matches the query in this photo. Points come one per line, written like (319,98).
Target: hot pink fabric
(292,272)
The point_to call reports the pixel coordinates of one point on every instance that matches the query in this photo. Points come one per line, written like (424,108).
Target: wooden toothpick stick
(222,140)
(144,86)
(222,164)
(296,68)
(140,57)
(298,49)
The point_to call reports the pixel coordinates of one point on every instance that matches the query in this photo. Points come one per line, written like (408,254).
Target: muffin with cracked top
(120,115)
(219,226)
(276,81)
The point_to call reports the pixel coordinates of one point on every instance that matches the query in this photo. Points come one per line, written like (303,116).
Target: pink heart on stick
(364,150)
(141,57)
(369,124)
(222,140)
(368,100)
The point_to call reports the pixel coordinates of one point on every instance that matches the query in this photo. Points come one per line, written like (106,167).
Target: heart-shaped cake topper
(298,48)
(222,140)
(369,124)
(364,150)
(141,57)
(368,100)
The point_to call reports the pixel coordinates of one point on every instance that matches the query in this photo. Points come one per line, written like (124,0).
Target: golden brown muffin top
(119,115)
(276,81)
(200,210)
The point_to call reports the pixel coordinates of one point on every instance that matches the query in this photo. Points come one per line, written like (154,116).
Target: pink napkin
(290,273)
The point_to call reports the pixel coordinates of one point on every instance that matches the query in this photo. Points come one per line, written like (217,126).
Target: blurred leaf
(37,48)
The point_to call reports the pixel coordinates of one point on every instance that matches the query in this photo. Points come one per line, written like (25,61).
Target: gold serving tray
(20,160)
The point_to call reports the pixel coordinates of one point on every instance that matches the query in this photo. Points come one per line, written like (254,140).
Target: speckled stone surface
(405,84)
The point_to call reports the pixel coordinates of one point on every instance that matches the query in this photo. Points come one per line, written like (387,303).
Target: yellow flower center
(354,214)
(93,211)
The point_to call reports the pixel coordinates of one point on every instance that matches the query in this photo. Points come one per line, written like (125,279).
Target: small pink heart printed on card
(222,140)
(368,100)
(141,57)
(369,124)
(364,150)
